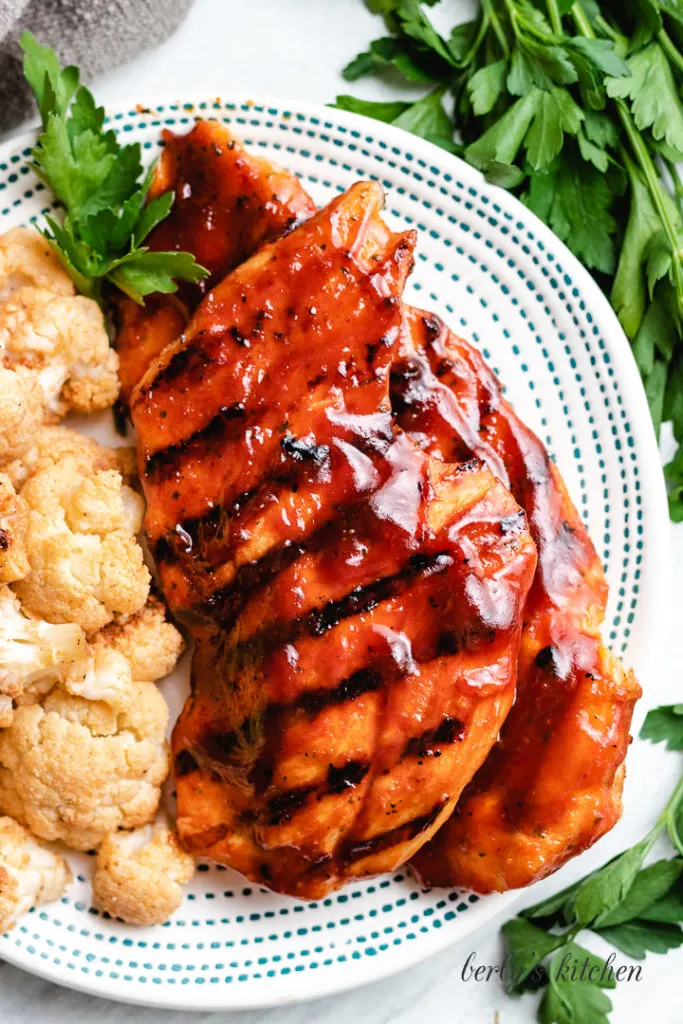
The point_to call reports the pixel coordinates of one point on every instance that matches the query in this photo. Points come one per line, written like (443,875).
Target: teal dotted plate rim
(501,278)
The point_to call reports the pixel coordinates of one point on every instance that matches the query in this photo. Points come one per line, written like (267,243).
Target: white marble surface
(294,49)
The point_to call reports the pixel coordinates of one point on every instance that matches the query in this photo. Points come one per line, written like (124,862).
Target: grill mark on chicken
(393,837)
(366,680)
(283,806)
(184,764)
(319,620)
(228,601)
(191,533)
(448,731)
(220,746)
(346,776)
(188,360)
(224,426)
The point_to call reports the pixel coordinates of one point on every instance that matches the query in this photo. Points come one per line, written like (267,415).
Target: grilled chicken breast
(356,603)
(552,784)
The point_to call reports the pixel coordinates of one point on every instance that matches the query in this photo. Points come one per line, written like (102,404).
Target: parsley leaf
(142,272)
(649,885)
(52,86)
(553,910)
(668,909)
(673,473)
(575,963)
(601,893)
(97,181)
(528,946)
(636,938)
(575,200)
(574,1003)
(673,8)
(651,87)
(486,85)
(574,995)
(502,141)
(401,55)
(556,113)
(416,25)
(629,295)
(387,112)
(425,118)
(665,724)
(602,55)
(656,334)
(655,392)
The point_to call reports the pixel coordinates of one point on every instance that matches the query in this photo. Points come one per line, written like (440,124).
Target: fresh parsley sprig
(576,106)
(100,186)
(637,909)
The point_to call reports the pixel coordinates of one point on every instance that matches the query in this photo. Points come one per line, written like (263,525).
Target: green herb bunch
(636,908)
(576,107)
(99,183)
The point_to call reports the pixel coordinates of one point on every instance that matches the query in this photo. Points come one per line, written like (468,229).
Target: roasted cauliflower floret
(13,528)
(50,444)
(30,873)
(78,770)
(105,676)
(61,342)
(150,643)
(26,259)
(21,413)
(86,565)
(139,875)
(34,655)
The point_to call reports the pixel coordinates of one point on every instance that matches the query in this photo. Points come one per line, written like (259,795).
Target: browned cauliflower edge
(27,260)
(77,769)
(139,875)
(62,342)
(150,643)
(50,444)
(86,564)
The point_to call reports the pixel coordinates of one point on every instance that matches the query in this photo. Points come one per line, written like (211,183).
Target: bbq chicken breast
(552,784)
(356,604)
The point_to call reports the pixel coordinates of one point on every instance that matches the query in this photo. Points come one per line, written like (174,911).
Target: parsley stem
(555,16)
(484,26)
(668,816)
(492,15)
(656,190)
(676,182)
(607,29)
(581,21)
(670,48)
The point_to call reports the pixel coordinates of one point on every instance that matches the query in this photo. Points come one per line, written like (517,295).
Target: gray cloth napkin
(94,34)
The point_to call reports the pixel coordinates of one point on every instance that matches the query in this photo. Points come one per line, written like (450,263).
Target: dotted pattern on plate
(499,278)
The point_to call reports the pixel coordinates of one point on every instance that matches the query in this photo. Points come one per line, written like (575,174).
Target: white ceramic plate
(499,277)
